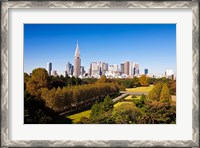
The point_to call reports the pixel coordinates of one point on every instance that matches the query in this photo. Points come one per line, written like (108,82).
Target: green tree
(126,114)
(107,104)
(128,83)
(136,81)
(154,94)
(165,94)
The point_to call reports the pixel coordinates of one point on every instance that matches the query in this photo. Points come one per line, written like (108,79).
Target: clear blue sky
(153,46)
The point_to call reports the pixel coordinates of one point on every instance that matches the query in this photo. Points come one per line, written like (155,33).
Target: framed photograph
(100,73)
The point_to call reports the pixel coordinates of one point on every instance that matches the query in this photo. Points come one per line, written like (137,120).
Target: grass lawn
(129,98)
(140,89)
(120,103)
(76,117)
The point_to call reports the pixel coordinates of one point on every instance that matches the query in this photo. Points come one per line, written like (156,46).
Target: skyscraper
(95,69)
(49,68)
(82,70)
(136,69)
(122,68)
(77,61)
(104,68)
(145,71)
(69,68)
(131,68)
(126,67)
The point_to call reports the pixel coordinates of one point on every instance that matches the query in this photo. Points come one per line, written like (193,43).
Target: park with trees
(52,100)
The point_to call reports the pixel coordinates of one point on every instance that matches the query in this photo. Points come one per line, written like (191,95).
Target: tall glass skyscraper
(49,68)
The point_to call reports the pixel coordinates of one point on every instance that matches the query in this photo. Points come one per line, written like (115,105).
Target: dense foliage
(60,94)
(156,108)
(35,112)
(45,96)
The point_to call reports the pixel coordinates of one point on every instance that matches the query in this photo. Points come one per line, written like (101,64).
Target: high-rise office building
(113,68)
(69,68)
(145,71)
(77,62)
(82,70)
(131,68)
(136,69)
(104,66)
(95,69)
(122,68)
(126,67)
(49,68)
(98,69)
(90,70)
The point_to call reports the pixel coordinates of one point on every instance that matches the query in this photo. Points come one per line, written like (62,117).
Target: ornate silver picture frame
(6,5)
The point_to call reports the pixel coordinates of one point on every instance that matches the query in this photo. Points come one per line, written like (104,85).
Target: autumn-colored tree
(102,79)
(161,112)
(144,80)
(172,87)
(26,77)
(49,97)
(38,80)
(165,94)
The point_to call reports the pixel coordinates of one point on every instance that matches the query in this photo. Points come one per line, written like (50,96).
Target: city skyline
(42,45)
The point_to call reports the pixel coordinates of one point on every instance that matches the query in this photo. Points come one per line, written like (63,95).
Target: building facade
(136,69)
(82,70)
(69,68)
(146,71)
(126,67)
(77,62)
(49,68)
(122,68)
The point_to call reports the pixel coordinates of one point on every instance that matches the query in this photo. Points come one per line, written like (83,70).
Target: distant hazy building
(69,68)
(90,70)
(98,69)
(103,68)
(169,73)
(126,67)
(131,68)
(113,68)
(146,71)
(77,62)
(95,69)
(54,73)
(136,69)
(122,68)
(82,70)
(49,68)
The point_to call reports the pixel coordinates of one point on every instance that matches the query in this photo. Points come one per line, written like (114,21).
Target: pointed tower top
(77,52)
